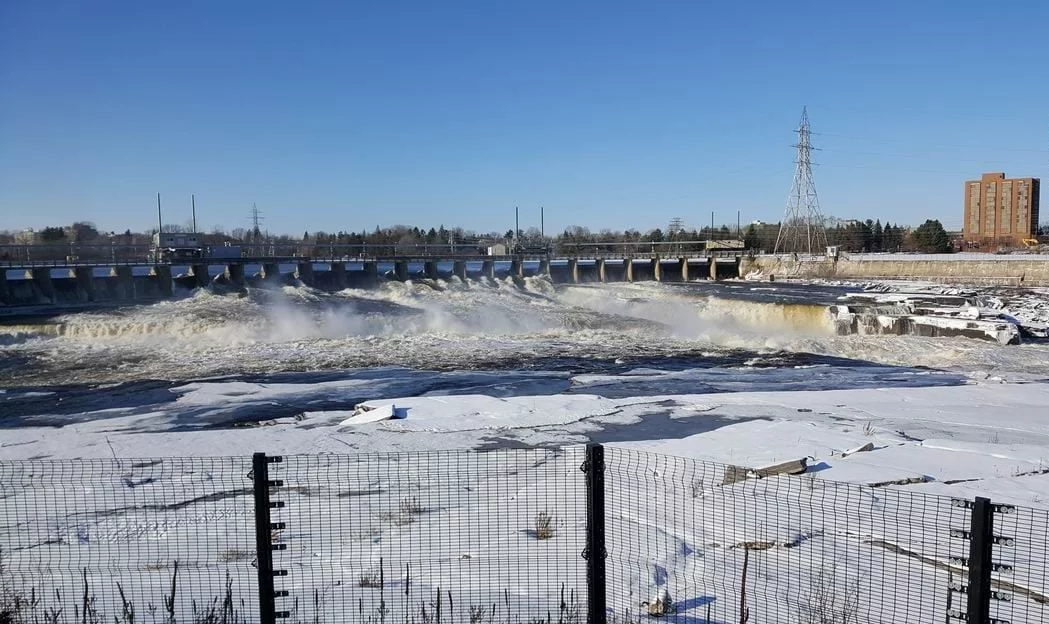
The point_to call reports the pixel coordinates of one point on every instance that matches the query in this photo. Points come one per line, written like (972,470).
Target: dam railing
(596,534)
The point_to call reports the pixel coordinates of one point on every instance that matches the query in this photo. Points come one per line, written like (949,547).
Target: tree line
(868,236)
(854,236)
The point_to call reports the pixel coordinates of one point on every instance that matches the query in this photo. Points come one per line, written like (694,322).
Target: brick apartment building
(1000,211)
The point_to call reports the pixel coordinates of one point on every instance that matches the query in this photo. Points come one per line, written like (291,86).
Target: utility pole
(193,201)
(160,219)
(517,225)
(737,225)
(802,228)
(711,225)
(542,227)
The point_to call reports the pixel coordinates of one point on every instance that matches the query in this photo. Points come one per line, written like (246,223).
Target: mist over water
(690,334)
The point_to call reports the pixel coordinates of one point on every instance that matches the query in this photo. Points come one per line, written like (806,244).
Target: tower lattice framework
(802,229)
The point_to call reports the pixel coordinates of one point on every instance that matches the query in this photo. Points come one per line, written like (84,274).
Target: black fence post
(595,553)
(260,471)
(981,547)
(264,546)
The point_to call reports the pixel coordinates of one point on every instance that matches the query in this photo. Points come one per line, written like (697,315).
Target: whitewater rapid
(468,326)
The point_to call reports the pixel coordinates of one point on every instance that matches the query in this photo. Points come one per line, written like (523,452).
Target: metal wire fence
(499,537)
(137,540)
(698,541)
(1020,574)
(433,536)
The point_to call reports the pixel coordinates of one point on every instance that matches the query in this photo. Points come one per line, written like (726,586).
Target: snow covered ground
(983,430)
(449,495)
(676,526)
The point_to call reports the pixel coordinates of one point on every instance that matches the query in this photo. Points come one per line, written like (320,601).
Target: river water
(333,350)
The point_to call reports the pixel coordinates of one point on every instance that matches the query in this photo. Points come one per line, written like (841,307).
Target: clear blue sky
(348,115)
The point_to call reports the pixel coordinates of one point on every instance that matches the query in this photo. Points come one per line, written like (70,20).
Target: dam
(79,284)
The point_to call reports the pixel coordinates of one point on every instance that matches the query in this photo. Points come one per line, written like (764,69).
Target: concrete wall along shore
(983,269)
(85,284)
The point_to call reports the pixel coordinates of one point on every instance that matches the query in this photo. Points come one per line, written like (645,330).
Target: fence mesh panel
(449,536)
(102,540)
(492,538)
(683,531)
(1023,547)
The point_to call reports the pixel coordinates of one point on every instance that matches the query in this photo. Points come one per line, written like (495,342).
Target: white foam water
(449,325)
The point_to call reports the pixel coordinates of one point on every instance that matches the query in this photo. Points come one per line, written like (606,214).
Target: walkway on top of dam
(72,262)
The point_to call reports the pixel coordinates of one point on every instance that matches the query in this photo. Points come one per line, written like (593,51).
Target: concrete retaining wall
(989,271)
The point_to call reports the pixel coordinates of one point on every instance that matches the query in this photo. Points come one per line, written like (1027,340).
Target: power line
(918,113)
(910,156)
(944,145)
(890,168)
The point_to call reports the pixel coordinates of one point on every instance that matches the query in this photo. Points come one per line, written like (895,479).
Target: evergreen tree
(52,235)
(750,237)
(930,237)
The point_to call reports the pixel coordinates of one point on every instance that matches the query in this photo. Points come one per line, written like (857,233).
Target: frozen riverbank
(982,438)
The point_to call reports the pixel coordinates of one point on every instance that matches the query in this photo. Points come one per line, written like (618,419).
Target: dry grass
(827,602)
(411,507)
(407,511)
(17,607)
(236,554)
(697,488)
(544,525)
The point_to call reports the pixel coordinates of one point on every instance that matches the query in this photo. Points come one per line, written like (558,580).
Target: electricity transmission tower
(676,226)
(802,228)
(256,220)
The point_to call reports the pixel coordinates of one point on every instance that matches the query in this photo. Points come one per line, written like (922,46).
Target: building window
(1007,213)
(991,212)
(974,208)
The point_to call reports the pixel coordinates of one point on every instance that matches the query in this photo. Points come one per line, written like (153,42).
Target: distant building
(26,237)
(177,239)
(1000,211)
(176,246)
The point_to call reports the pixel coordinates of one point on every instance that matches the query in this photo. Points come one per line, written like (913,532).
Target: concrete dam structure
(80,285)
(966,268)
